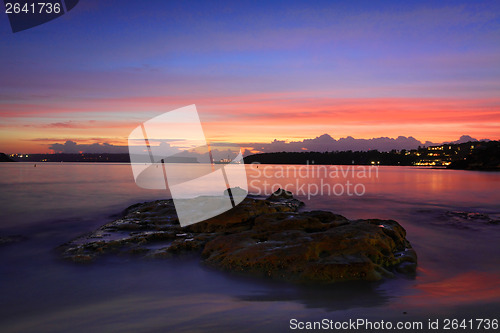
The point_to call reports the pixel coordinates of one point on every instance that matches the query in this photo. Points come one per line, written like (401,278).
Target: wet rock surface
(270,237)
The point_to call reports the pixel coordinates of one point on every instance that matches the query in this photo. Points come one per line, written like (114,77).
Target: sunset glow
(255,73)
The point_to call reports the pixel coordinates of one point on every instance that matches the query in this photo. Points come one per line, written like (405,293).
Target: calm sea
(458,276)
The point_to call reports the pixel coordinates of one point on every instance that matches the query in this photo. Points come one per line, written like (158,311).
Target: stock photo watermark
(311,180)
(170,151)
(27,14)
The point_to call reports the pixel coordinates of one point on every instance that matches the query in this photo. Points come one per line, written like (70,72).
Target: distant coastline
(101,158)
(473,155)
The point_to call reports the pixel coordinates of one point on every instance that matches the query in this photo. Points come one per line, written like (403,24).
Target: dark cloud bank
(71,147)
(326,143)
(320,144)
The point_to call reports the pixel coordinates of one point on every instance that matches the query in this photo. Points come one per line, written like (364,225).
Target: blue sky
(254,58)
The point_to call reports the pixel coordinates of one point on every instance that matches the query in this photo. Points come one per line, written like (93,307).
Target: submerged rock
(4,240)
(236,191)
(268,237)
(468,220)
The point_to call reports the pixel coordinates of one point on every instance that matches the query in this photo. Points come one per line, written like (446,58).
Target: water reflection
(342,296)
(457,266)
(467,287)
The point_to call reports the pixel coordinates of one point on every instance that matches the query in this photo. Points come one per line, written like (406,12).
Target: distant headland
(473,155)
(5,158)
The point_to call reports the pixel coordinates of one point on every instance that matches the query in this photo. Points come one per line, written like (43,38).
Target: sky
(258,71)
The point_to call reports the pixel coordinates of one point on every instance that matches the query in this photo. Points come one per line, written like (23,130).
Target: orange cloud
(258,117)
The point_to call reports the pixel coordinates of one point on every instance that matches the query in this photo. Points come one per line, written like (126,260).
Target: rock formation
(270,237)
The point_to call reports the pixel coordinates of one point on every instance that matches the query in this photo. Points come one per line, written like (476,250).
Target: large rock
(268,237)
(314,247)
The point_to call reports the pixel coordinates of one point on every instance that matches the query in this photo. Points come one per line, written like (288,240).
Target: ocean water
(458,275)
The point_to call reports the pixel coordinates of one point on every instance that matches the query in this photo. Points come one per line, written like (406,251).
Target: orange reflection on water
(468,287)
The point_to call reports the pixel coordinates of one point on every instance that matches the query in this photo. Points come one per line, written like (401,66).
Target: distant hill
(5,158)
